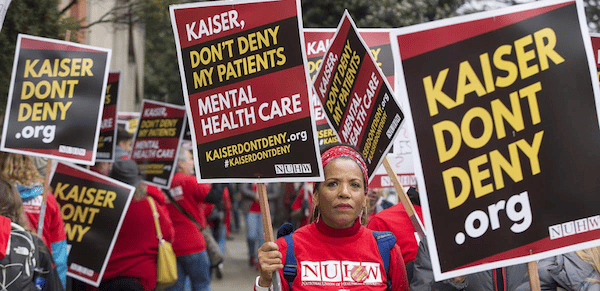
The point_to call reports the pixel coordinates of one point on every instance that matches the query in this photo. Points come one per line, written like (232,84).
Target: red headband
(339,151)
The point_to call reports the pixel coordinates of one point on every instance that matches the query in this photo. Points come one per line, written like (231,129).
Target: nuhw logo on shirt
(338,273)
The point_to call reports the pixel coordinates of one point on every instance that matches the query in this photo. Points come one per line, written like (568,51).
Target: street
(237,274)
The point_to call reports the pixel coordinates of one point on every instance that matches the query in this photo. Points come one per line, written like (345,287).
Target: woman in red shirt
(132,263)
(335,251)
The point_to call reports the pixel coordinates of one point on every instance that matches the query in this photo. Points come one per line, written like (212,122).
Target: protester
(572,271)
(132,263)
(376,202)
(511,278)
(20,170)
(189,245)
(236,198)
(124,143)
(102,168)
(228,207)
(25,259)
(254,227)
(336,236)
(301,208)
(396,220)
(218,218)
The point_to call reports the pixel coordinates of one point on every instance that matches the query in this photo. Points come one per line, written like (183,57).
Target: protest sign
(128,121)
(55,99)
(108,128)
(156,141)
(505,117)
(378,40)
(3,8)
(93,207)
(356,97)
(596,49)
(246,90)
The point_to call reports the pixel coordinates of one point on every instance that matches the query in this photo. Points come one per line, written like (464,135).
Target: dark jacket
(567,271)
(516,277)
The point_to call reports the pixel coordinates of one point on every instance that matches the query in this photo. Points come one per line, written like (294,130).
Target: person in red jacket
(132,263)
(189,245)
(396,220)
(335,251)
(300,209)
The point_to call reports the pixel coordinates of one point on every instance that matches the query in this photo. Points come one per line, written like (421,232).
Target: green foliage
(592,13)
(381,13)
(162,79)
(161,71)
(32,17)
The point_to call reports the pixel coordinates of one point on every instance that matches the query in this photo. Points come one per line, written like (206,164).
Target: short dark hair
(123,135)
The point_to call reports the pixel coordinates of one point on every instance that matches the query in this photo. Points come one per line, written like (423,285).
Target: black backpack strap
(385,242)
(178,206)
(289,267)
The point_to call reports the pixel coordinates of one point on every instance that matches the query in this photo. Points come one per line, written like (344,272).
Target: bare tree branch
(73,2)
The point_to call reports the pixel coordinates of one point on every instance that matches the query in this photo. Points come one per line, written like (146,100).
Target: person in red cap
(336,251)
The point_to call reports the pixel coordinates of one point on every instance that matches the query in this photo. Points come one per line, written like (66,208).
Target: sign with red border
(505,116)
(55,99)
(246,90)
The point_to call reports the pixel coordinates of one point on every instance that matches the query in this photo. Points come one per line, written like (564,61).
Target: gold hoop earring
(360,216)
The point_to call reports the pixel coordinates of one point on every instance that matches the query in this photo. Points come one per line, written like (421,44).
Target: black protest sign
(93,207)
(356,97)
(378,40)
(156,141)
(55,99)
(107,140)
(504,106)
(246,91)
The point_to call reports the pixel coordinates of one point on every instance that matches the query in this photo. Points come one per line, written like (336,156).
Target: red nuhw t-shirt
(396,220)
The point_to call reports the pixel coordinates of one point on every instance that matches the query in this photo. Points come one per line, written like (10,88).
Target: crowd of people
(338,221)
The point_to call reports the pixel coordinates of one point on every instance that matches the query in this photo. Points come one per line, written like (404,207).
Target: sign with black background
(93,207)
(156,141)
(506,121)
(107,140)
(246,92)
(55,99)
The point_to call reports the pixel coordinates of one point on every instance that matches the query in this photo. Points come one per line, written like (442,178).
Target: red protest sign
(156,141)
(107,140)
(505,116)
(246,91)
(378,40)
(356,97)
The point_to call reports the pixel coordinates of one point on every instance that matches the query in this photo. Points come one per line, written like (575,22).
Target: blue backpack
(385,242)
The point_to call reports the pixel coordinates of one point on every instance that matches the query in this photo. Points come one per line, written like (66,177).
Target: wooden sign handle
(534,278)
(40,226)
(263,200)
